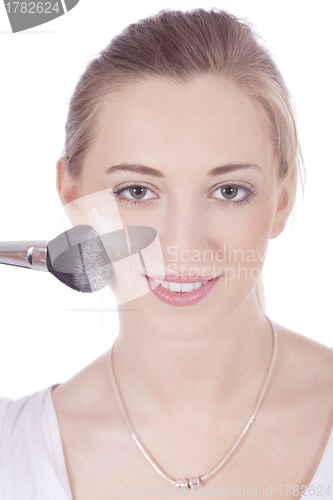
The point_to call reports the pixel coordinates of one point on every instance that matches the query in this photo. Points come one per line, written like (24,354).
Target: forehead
(201,123)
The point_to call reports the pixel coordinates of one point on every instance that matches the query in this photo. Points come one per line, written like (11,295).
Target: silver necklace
(194,482)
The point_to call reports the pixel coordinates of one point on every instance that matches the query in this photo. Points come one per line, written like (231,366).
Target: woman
(185,123)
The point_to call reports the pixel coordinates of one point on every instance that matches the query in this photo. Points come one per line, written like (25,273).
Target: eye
(134,194)
(229,192)
(137,192)
(234,193)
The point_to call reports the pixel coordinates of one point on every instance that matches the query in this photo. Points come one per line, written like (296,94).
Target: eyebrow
(143,170)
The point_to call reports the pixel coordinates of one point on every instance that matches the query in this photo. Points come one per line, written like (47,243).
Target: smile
(180,287)
(180,294)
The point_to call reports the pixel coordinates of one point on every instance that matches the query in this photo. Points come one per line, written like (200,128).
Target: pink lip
(181,279)
(181,298)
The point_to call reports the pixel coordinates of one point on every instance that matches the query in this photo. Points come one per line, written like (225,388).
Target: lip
(182,279)
(181,298)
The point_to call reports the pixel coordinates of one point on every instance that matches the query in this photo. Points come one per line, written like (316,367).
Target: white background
(42,340)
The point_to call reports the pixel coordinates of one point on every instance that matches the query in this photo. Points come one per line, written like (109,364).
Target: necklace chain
(193,482)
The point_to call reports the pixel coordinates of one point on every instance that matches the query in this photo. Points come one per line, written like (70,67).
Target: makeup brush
(78,257)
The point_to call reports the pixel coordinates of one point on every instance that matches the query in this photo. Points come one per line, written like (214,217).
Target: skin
(208,360)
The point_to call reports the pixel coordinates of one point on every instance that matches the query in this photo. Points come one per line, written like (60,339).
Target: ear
(282,213)
(66,187)
(68,191)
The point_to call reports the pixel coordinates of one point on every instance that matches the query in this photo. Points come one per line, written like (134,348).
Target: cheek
(243,240)
(254,231)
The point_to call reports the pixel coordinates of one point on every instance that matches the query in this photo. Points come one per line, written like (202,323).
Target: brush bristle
(78,259)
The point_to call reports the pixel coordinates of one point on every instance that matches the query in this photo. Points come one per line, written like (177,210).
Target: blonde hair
(180,45)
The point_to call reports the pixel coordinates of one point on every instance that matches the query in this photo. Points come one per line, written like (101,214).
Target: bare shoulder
(304,363)
(88,393)
(303,349)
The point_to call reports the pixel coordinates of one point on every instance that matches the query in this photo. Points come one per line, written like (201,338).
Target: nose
(186,232)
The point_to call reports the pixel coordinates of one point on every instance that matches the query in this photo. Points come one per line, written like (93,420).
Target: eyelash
(121,199)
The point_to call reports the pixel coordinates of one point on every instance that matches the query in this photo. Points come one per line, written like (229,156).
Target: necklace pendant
(182,483)
(194,483)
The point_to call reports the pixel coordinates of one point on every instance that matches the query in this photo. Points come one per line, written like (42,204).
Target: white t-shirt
(32,464)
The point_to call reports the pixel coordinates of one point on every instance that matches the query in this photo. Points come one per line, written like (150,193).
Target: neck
(220,368)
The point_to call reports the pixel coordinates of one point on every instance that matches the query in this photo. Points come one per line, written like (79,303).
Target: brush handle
(30,254)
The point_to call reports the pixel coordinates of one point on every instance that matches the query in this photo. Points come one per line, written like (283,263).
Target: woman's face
(209,187)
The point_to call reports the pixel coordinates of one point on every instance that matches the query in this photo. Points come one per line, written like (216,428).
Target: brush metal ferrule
(30,254)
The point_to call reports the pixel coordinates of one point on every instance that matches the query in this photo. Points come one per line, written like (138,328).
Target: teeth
(189,287)
(174,287)
(180,287)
